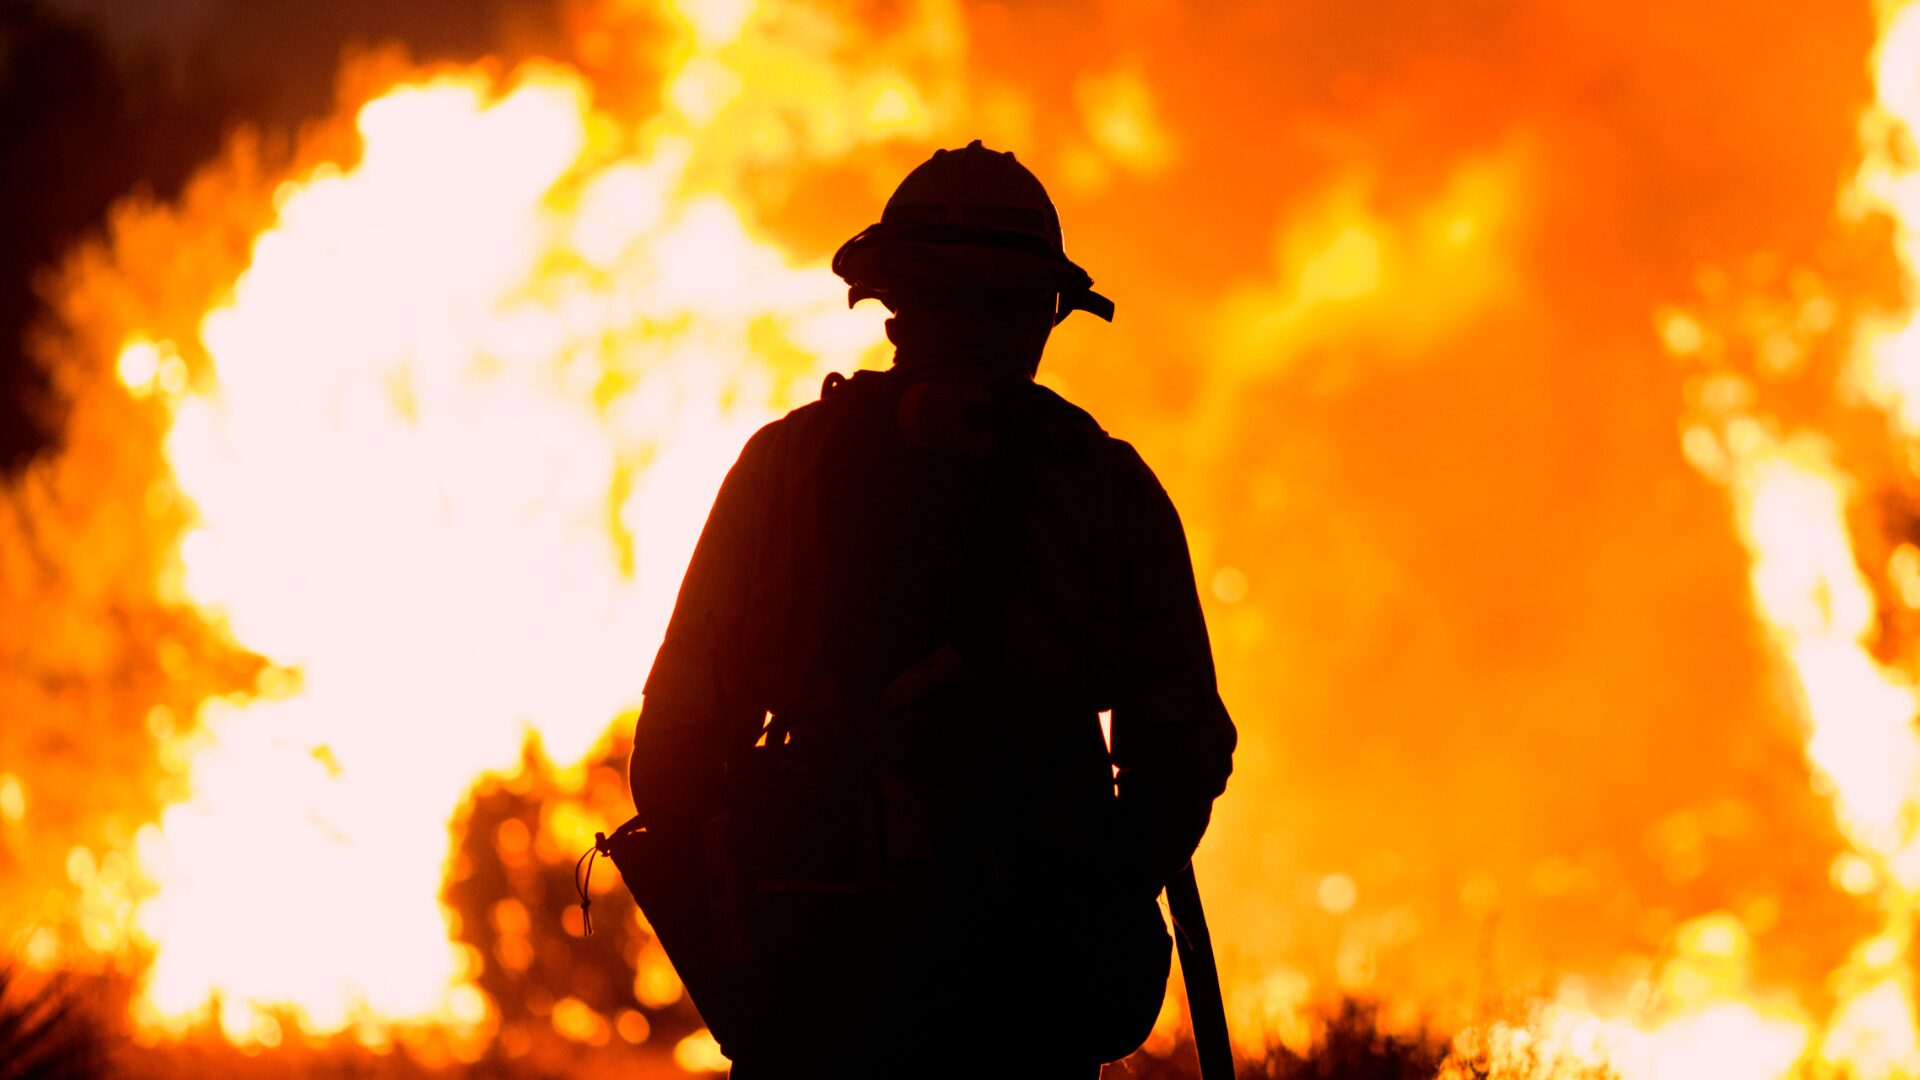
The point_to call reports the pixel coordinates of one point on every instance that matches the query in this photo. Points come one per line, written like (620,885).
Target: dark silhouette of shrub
(1349,1045)
(46,1034)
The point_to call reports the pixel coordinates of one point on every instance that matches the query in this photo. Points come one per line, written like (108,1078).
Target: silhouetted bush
(1349,1045)
(46,1034)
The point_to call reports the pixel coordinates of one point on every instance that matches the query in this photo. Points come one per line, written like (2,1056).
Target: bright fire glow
(1793,507)
(447,432)
(458,427)
(1730,1041)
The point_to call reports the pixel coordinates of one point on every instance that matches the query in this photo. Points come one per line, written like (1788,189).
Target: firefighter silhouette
(879,831)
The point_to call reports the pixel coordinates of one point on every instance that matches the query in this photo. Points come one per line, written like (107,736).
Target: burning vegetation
(1542,387)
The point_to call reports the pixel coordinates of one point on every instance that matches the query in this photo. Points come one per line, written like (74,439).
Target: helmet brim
(881,266)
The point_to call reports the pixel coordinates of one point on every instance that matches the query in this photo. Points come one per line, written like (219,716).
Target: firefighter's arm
(699,698)
(1172,739)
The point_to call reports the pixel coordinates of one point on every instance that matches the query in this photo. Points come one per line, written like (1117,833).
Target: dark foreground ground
(66,1029)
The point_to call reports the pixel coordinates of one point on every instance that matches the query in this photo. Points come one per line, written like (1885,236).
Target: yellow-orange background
(1391,282)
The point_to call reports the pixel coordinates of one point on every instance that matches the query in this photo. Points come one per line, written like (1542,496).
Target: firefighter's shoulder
(1116,453)
(794,439)
(837,391)
(1068,415)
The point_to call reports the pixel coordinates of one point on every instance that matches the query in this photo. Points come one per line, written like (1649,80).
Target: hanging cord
(601,846)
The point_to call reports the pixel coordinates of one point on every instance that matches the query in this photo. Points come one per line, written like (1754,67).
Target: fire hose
(1205,1009)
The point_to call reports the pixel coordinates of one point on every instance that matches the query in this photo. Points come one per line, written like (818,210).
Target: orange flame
(457,429)
(444,442)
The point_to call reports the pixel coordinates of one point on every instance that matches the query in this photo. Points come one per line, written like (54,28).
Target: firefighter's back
(941,550)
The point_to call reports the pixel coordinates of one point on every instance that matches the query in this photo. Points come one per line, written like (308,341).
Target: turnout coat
(930,585)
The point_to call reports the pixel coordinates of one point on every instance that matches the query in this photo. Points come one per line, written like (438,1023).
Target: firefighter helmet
(968,215)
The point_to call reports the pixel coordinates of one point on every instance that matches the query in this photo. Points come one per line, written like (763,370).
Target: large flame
(1792,503)
(447,445)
